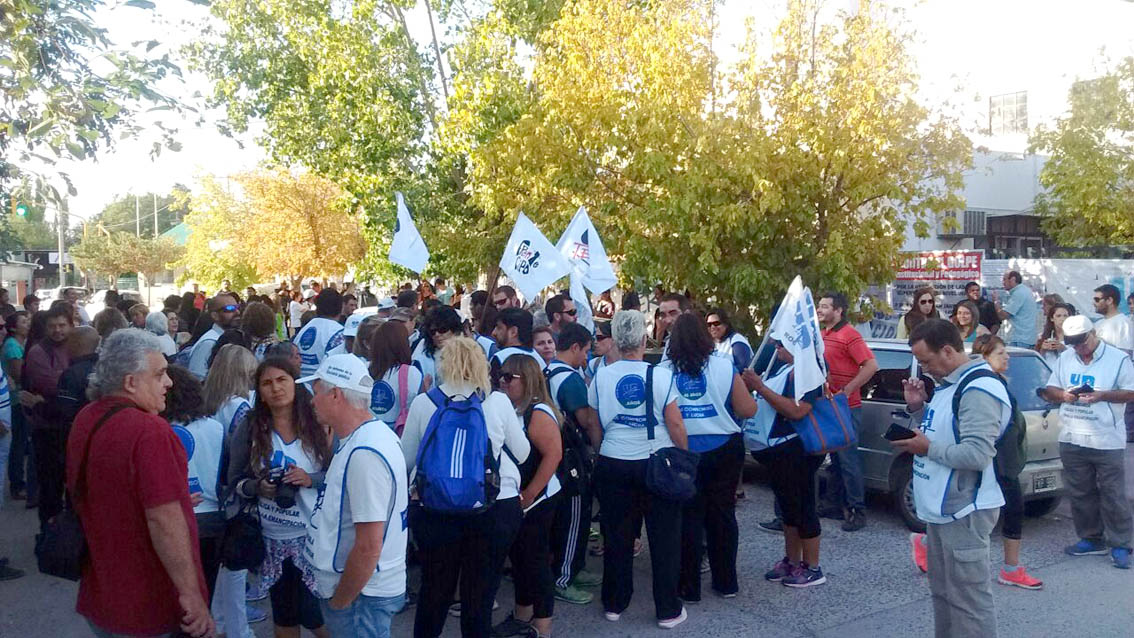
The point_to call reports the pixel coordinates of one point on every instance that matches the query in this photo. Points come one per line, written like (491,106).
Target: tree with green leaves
(810,157)
(126,211)
(112,254)
(1089,179)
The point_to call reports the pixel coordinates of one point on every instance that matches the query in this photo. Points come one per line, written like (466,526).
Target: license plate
(1043,483)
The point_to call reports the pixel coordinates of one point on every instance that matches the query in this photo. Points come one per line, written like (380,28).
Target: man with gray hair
(126,474)
(356,539)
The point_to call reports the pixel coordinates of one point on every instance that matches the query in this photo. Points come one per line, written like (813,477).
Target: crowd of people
(296,447)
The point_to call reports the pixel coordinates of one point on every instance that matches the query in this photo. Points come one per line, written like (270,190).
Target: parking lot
(873,589)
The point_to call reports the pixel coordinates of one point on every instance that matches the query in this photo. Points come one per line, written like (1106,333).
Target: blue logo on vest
(381,398)
(307,338)
(691,388)
(1082,379)
(334,342)
(187,440)
(630,391)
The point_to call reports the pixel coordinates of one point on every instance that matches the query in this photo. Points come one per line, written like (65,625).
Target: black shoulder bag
(671,472)
(61,548)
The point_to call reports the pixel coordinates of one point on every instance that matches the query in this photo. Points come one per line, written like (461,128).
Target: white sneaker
(673,622)
(612,616)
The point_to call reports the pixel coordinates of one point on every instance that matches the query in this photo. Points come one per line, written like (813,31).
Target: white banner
(408,248)
(531,260)
(796,326)
(590,267)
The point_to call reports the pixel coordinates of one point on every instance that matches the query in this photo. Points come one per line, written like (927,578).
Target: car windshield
(1026,372)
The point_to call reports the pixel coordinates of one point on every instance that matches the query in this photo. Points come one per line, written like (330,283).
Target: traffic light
(18,207)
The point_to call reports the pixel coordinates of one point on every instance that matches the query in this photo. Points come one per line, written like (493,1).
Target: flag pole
(491,292)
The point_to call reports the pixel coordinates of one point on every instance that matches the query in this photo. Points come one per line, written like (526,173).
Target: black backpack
(575,469)
(1012,446)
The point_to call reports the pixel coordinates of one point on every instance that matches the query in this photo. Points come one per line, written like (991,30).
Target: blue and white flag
(796,326)
(581,246)
(531,260)
(408,248)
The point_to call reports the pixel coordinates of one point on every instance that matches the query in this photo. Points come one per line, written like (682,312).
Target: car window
(886,384)
(1026,372)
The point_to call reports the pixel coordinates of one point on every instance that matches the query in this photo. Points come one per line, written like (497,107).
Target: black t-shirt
(782,426)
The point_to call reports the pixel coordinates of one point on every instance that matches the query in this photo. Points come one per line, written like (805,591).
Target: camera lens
(285,496)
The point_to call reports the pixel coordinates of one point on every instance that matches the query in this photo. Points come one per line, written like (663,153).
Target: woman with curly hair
(278,456)
(441,324)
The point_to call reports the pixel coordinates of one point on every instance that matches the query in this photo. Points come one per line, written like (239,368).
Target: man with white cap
(385,307)
(1092,380)
(356,540)
(351,325)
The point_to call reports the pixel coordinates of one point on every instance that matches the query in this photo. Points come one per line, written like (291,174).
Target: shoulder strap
(551,374)
(963,385)
(651,421)
(403,392)
(80,480)
(437,396)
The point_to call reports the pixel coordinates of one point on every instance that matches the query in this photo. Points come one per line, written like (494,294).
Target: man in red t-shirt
(143,575)
(850,364)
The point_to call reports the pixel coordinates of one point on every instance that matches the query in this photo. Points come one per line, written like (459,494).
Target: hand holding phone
(898,433)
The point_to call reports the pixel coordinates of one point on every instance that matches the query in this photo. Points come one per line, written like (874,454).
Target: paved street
(873,588)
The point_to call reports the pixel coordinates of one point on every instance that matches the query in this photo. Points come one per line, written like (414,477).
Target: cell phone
(898,433)
(1083,389)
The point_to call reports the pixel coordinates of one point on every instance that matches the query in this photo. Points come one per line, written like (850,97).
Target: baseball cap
(1076,328)
(350,327)
(386,303)
(344,371)
(403,315)
(309,293)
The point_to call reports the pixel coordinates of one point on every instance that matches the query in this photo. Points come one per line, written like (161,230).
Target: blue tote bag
(828,427)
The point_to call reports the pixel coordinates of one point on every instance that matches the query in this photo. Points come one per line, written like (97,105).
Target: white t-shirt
(1116,331)
(618,394)
(203,441)
(500,420)
(276,522)
(1099,426)
(384,403)
(366,483)
(199,356)
(296,310)
(168,346)
(319,339)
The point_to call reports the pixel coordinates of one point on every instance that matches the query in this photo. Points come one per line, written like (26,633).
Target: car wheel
(901,489)
(1041,506)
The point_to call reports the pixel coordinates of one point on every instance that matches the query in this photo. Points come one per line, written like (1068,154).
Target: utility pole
(60,220)
(155,216)
(137,217)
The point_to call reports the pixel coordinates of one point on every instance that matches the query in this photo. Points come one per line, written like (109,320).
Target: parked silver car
(883,403)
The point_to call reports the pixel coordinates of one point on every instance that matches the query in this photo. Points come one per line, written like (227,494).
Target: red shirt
(136,462)
(845,352)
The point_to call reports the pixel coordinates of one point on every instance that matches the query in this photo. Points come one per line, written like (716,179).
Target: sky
(985,46)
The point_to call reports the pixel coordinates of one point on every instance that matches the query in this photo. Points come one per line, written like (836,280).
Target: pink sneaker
(920,552)
(1019,578)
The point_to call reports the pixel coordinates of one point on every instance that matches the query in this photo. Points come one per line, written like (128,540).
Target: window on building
(1008,113)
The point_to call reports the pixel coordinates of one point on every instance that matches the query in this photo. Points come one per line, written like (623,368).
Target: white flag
(797,326)
(580,245)
(408,248)
(531,260)
(583,314)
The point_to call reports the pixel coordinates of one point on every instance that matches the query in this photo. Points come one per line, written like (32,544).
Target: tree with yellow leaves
(266,224)
(811,159)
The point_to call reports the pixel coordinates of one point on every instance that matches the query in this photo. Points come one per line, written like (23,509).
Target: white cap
(344,371)
(309,293)
(385,303)
(1076,325)
(350,328)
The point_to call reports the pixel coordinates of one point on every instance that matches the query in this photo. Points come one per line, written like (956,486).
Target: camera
(285,493)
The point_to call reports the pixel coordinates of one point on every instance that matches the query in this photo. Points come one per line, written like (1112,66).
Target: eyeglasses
(229,308)
(1076,340)
(926,302)
(1097,299)
(506,377)
(500,302)
(713,324)
(571,312)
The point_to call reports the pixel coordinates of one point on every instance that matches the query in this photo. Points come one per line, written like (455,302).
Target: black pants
(713,512)
(19,457)
(570,532)
(623,498)
(531,560)
(793,483)
(210,561)
(50,445)
(1012,513)
(469,548)
(292,603)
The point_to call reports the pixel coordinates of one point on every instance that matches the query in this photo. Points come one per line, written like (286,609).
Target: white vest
(1101,425)
(286,524)
(593,366)
(725,347)
(232,411)
(556,379)
(320,338)
(503,354)
(488,344)
(330,536)
(932,481)
(618,393)
(758,429)
(384,397)
(203,441)
(703,398)
(426,364)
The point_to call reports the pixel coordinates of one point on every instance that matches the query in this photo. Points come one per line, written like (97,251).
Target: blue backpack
(456,471)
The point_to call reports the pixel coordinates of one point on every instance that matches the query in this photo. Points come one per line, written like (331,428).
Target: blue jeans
(366,617)
(846,489)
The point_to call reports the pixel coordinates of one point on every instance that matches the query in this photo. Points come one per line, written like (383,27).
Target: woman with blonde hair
(522,380)
(924,307)
(469,546)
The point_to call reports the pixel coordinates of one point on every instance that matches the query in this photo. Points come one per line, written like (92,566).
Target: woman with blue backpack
(522,380)
(465,491)
(637,408)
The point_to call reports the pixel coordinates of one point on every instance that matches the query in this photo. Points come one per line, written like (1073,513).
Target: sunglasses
(713,324)
(499,302)
(1076,340)
(1097,299)
(601,337)
(506,377)
(926,302)
(229,308)
(571,312)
